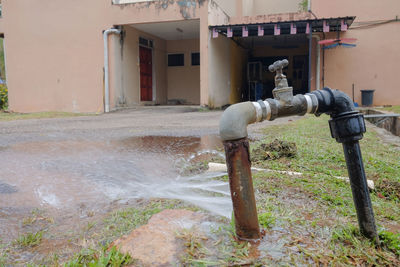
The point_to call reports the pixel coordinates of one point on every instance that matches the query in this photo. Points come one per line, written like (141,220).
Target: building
(182,51)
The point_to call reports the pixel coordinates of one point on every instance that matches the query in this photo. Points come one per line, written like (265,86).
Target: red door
(146,74)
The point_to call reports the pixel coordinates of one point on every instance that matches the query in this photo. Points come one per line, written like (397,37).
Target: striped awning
(283,27)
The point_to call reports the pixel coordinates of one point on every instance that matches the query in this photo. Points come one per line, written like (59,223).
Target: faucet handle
(278,65)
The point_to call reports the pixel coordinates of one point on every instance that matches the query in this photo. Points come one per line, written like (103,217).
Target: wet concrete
(64,176)
(73,170)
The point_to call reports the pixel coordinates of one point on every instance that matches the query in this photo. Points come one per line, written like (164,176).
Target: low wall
(391,124)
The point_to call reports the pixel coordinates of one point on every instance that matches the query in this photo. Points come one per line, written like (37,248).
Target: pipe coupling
(348,127)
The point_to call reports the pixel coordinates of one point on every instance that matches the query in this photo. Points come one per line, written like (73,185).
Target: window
(195,59)
(175,60)
(145,42)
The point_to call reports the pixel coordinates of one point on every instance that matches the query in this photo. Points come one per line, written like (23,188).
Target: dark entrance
(146,74)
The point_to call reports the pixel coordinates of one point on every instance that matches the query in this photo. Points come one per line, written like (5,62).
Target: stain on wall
(187,8)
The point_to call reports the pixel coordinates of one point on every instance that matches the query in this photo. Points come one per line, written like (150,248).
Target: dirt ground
(140,121)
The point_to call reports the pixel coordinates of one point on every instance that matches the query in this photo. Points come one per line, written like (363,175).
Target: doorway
(146,74)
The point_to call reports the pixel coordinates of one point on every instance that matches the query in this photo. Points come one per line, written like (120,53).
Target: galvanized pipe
(106,68)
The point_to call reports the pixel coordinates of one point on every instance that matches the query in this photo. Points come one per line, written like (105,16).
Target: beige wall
(239,8)
(229,6)
(261,7)
(125,69)
(54,55)
(372,64)
(238,72)
(55,50)
(184,82)
(227,63)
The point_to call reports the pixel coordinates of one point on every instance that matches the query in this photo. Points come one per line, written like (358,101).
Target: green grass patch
(390,240)
(29,239)
(266,219)
(121,222)
(318,153)
(102,258)
(11,116)
(394,109)
(312,208)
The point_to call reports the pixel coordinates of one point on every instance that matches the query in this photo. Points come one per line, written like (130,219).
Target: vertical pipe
(359,187)
(309,57)
(106,71)
(242,192)
(318,69)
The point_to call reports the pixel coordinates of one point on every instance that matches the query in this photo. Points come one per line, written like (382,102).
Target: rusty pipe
(242,192)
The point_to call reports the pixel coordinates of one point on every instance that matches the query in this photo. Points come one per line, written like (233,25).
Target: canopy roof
(315,25)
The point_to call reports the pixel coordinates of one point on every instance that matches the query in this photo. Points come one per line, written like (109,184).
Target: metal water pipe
(346,125)
(106,68)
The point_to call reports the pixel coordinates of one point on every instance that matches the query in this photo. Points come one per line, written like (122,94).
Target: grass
(102,258)
(315,211)
(121,222)
(317,205)
(394,109)
(88,247)
(307,220)
(29,239)
(11,116)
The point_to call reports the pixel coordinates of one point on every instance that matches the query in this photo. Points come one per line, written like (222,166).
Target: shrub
(3,96)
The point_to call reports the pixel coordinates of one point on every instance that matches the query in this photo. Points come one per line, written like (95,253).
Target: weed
(29,239)
(266,219)
(11,116)
(195,250)
(90,257)
(37,215)
(3,96)
(390,240)
(123,221)
(394,109)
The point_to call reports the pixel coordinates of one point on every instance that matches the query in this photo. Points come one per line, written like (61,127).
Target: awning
(284,27)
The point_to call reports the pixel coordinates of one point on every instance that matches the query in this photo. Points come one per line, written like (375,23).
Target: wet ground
(73,168)
(61,175)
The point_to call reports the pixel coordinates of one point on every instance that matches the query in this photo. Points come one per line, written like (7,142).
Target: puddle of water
(63,176)
(7,189)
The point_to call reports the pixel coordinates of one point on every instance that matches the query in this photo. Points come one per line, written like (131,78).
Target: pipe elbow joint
(234,121)
(346,123)
(333,102)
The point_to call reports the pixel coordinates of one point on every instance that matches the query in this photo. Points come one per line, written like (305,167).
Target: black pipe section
(347,127)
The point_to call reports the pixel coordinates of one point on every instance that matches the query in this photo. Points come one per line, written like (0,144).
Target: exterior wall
(57,65)
(227,64)
(263,10)
(125,69)
(372,64)
(204,39)
(270,18)
(261,7)
(239,8)
(238,72)
(184,82)
(219,71)
(55,49)
(229,6)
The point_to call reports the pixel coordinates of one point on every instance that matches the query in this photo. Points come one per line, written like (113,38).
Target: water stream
(64,176)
